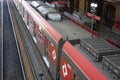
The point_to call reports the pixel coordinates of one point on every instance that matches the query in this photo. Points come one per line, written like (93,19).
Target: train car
(43,35)
(63,61)
(74,66)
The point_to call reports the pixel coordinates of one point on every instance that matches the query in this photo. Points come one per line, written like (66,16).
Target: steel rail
(2,40)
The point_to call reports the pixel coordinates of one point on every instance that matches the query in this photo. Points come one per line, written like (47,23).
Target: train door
(53,58)
(50,55)
(50,50)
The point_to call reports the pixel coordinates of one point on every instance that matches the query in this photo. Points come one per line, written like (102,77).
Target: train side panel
(53,53)
(44,35)
(66,70)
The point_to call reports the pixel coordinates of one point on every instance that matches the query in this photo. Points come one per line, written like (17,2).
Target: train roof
(53,33)
(70,30)
(65,27)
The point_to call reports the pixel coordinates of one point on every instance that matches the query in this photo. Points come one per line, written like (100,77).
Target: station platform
(110,36)
(101,30)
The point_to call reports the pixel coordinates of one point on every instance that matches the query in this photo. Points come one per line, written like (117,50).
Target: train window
(36,30)
(30,22)
(48,47)
(23,12)
(39,35)
(27,18)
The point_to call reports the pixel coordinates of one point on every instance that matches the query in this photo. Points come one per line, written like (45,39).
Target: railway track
(12,68)
(35,59)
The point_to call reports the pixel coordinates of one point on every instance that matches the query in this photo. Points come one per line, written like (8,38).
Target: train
(62,59)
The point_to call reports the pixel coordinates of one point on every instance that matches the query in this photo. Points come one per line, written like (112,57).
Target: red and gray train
(63,60)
